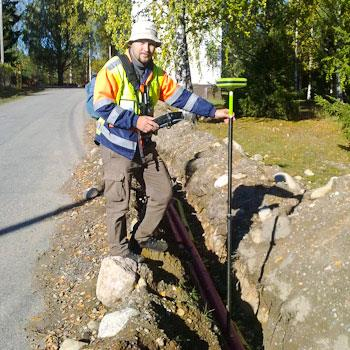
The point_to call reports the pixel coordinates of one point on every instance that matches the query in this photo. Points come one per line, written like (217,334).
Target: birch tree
(180,21)
(114,16)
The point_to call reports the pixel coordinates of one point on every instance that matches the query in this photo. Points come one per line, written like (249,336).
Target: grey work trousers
(118,171)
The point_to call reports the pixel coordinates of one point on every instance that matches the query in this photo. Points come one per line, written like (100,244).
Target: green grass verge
(316,144)
(9,93)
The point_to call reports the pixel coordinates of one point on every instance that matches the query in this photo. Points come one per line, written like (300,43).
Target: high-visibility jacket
(116,103)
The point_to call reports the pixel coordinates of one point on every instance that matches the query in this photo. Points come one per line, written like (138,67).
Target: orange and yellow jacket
(117,104)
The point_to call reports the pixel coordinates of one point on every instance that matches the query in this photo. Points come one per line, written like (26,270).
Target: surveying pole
(230,84)
(2,59)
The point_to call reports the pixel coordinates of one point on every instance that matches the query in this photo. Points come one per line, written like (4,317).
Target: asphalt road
(41,140)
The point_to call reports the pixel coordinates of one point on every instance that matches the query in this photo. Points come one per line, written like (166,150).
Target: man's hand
(222,114)
(146,124)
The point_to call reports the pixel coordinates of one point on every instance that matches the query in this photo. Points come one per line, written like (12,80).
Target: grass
(316,144)
(218,102)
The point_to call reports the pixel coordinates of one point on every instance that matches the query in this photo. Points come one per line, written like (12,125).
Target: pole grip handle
(230,104)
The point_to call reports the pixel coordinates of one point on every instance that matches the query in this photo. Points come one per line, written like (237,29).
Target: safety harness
(144,103)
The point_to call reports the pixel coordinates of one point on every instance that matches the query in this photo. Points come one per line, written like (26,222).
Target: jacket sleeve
(179,97)
(105,92)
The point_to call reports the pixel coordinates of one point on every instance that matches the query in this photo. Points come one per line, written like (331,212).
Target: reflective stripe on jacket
(116,102)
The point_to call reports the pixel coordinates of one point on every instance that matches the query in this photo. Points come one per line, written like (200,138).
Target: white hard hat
(144,30)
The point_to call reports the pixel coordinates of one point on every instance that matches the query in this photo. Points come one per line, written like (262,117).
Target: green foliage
(55,34)
(97,64)
(284,48)
(208,313)
(256,46)
(7,75)
(11,34)
(194,295)
(113,17)
(279,104)
(338,110)
(334,24)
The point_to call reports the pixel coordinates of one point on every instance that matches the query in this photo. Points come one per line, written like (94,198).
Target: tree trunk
(60,72)
(297,81)
(182,64)
(70,75)
(309,87)
(338,89)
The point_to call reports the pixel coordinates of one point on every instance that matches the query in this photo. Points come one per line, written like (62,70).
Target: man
(124,132)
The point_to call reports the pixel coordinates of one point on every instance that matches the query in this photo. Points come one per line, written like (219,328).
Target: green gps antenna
(230,84)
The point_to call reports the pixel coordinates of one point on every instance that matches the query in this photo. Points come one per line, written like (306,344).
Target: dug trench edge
(233,338)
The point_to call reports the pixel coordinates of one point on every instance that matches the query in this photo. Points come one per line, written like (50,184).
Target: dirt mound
(291,261)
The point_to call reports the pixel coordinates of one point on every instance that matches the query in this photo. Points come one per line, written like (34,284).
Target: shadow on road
(42,217)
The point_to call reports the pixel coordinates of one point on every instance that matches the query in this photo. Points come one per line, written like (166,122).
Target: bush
(336,109)
(280,104)
(7,75)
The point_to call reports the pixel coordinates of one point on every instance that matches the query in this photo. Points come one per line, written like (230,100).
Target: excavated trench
(246,331)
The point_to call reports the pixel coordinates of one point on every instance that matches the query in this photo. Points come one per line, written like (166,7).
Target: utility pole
(1,36)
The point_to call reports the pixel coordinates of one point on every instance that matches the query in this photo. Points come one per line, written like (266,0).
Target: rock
(94,151)
(93,325)
(180,312)
(235,146)
(239,176)
(71,344)
(291,183)
(160,342)
(141,283)
(264,213)
(116,280)
(273,227)
(276,226)
(257,237)
(308,172)
(322,191)
(114,322)
(221,181)
(90,193)
(257,158)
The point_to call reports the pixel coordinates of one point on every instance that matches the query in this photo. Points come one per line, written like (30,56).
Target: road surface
(41,141)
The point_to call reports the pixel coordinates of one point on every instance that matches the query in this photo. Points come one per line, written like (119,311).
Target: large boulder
(116,280)
(292,257)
